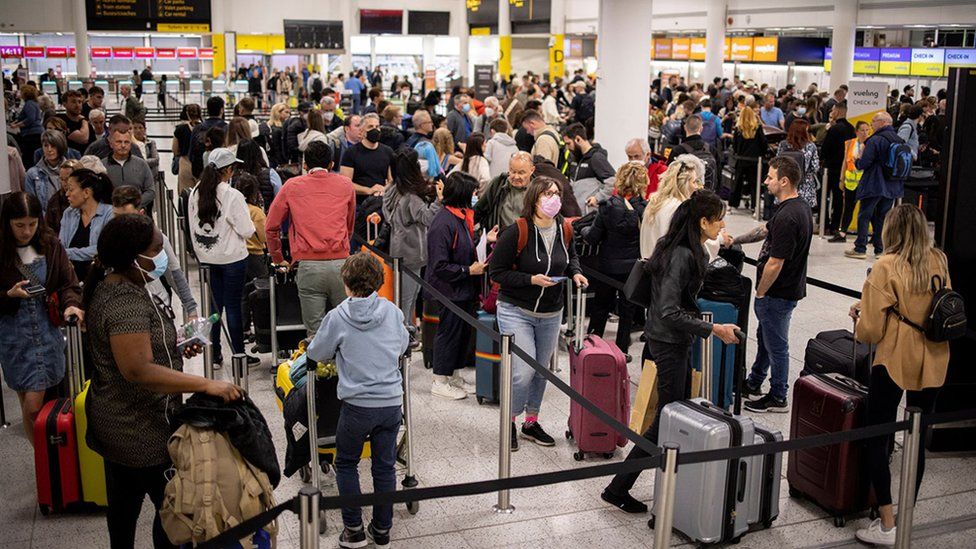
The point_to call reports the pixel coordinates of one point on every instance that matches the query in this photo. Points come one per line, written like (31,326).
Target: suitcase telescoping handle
(373,222)
(580,315)
(75,359)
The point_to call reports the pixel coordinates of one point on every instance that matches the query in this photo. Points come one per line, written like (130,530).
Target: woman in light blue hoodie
(366,336)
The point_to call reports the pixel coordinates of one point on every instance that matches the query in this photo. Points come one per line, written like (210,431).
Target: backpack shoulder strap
(567,231)
(523,235)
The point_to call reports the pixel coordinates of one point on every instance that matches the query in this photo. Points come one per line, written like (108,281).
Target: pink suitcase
(598,371)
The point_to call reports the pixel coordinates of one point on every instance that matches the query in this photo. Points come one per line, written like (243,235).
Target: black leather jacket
(674,316)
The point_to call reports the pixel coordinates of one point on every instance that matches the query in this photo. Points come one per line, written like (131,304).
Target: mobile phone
(35,289)
(557,279)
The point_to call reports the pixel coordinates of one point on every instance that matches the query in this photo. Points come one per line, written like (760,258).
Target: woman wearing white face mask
(530,296)
(137,373)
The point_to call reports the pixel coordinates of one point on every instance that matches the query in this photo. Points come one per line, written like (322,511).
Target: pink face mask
(550,205)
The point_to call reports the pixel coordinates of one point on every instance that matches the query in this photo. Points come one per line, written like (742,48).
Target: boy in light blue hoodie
(366,336)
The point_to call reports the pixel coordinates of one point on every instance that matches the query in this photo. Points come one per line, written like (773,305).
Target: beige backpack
(212,488)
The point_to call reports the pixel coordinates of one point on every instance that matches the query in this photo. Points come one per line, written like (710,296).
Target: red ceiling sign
(57,52)
(101,53)
(34,51)
(123,53)
(205,53)
(165,53)
(186,53)
(145,53)
(11,51)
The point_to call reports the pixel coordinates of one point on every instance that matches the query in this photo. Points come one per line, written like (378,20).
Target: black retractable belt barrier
(249,526)
(823,284)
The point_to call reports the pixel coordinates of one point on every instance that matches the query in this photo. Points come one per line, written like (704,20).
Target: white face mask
(328,116)
(489,112)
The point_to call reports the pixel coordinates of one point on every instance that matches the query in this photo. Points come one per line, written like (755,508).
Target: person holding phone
(530,301)
(674,321)
(34,268)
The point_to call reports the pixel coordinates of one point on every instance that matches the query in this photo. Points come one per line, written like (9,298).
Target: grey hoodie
(498,151)
(366,336)
(409,216)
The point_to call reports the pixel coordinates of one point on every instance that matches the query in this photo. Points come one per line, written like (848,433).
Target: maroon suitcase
(830,476)
(56,457)
(598,371)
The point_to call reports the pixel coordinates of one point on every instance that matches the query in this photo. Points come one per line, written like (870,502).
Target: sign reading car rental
(866,98)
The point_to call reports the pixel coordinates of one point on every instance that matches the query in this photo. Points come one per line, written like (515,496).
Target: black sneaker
(533,431)
(768,404)
(380,539)
(253,361)
(353,538)
(838,237)
(749,392)
(514,438)
(625,502)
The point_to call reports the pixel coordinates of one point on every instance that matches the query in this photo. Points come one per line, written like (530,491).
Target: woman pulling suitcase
(905,361)
(677,270)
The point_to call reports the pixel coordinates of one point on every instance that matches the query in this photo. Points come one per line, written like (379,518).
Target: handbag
(51,301)
(637,288)
(644,411)
(174,165)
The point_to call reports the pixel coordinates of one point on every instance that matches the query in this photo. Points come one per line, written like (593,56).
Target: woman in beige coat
(905,360)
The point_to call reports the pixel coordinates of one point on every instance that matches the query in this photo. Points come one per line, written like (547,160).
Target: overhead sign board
(896,62)
(742,48)
(149,15)
(959,58)
(928,62)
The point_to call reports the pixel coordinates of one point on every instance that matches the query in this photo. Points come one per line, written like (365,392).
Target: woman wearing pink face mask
(530,263)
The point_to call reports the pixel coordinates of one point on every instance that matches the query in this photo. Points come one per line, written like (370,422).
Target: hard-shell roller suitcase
(710,499)
(837,351)
(487,357)
(723,356)
(598,371)
(90,464)
(831,476)
(56,457)
(765,475)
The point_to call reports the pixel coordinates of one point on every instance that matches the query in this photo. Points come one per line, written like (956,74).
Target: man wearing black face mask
(589,161)
(368,162)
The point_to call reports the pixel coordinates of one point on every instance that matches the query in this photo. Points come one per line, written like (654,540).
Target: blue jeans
(773,349)
(226,289)
(537,337)
(380,425)
(873,211)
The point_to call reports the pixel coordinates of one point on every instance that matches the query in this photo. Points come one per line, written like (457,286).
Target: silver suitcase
(710,498)
(766,472)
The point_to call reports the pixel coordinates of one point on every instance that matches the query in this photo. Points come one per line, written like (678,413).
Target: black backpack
(710,180)
(947,316)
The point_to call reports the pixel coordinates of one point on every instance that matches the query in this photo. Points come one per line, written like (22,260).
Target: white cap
(220,158)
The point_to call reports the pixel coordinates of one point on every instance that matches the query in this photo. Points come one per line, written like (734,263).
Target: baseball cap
(220,158)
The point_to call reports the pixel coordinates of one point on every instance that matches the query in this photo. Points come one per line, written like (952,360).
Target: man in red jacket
(320,207)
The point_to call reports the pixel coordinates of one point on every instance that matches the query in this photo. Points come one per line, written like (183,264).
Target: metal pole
(706,362)
(397,290)
(272,278)
(823,204)
(758,205)
(313,426)
(160,207)
(909,473)
(664,517)
(239,370)
(205,311)
(308,517)
(504,504)
(170,214)
(409,480)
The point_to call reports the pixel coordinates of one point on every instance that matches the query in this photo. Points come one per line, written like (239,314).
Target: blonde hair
(276,118)
(747,123)
(678,181)
(906,236)
(631,179)
(443,141)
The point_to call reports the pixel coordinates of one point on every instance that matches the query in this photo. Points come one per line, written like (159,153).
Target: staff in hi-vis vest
(852,176)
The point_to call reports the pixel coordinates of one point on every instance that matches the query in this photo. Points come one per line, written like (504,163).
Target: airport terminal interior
(266,140)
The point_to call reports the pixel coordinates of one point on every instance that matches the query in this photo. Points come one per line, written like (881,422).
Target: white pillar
(504,40)
(4,173)
(460,29)
(842,43)
(430,52)
(372,52)
(350,25)
(557,39)
(622,85)
(714,39)
(82,55)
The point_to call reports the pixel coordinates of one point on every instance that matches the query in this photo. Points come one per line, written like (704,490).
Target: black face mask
(373,135)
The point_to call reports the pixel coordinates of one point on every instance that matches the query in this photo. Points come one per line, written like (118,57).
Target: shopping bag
(644,410)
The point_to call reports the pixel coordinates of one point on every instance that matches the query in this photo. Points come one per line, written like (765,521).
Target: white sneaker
(874,535)
(460,383)
(447,390)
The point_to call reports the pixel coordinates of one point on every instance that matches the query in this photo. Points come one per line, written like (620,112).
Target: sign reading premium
(149,15)
(896,62)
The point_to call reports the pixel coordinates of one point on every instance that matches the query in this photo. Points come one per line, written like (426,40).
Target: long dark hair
(99,183)
(247,184)
(123,238)
(685,230)
(459,187)
(17,206)
(249,153)
(407,175)
(474,146)
(207,207)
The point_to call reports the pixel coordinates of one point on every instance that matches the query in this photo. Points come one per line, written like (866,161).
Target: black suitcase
(831,352)
(289,311)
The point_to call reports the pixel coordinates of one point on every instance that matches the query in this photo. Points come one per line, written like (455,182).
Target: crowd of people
(297,191)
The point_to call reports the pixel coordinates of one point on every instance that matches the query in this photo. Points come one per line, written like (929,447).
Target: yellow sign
(505,56)
(697,49)
(742,48)
(220,55)
(727,49)
(261,43)
(556,56)
(765,49)
(183,27)
(680,48)
(928,62)
(480,31)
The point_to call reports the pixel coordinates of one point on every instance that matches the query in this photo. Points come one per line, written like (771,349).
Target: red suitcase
(598,371)
(830,476)
(56,457)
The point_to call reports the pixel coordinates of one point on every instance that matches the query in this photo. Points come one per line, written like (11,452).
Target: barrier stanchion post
(504,504)
(664,517)
(3,411)
(823,205)
(706,363)
(272,282)
(308,517)
(160,207)
(758,205)
(208,369)
(313,425)
(909,473)
(409,480)
(239,370)
(170,214)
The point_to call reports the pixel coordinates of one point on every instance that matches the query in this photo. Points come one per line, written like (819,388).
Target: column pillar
(4,174)
(622,85)
(714,39)
(557,40)
(430,52)
(504,40)
(350,26)
(460,29)
(82,55)
(842,43)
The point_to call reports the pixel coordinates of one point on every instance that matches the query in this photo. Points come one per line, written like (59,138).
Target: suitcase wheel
(569,435)
(578,456)
(608,455)
(413,507)
(650,523)
(840,522)
(323,527)
(768,524)
(735,540)
(45,510)
(481,400)
(794,493)
(305,472)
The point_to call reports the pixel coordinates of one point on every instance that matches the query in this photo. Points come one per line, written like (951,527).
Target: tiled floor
(456,441)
